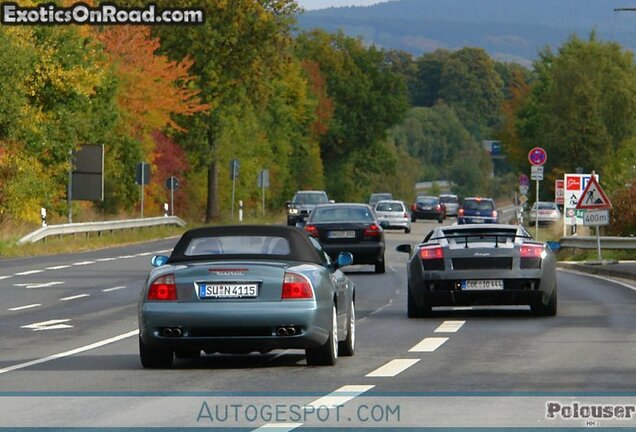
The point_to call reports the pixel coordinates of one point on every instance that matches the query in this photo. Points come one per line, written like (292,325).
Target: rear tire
(380,266)
(348,346)
(413,219)
(415,311)
(154,358)
(440,220)
(407,230)
(327,354)
(549,309)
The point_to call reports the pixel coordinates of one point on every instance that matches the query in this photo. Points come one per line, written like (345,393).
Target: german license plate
(342,234)
(229,290)
(486,284)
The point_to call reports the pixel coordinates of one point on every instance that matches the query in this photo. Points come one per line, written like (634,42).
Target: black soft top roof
(301,248)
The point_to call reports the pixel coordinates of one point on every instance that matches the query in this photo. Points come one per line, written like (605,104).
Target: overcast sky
(320,4)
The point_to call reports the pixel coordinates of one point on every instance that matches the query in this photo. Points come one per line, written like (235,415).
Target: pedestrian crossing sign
(593,197)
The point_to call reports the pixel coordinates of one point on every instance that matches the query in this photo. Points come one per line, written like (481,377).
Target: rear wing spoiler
(497,236)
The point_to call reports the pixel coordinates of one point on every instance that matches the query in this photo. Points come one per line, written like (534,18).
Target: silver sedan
(393,214)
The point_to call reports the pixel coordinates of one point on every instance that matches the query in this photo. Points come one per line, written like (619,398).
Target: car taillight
(494,214)
(431,252)
(372,230)
(438,207)
(406,215)
(460,212)
(413,206)
(296,286)
(531,251)
(163,288)
(311,230)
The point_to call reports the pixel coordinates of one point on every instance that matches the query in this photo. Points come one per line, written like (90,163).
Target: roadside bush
(623,214)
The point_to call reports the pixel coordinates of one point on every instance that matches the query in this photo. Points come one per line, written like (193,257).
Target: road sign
(559,192)
(593,197)
(524,180)
(263,179)
(537,156)
(574,186)
(596,218)
(142,173)
(523,190)
(234,169)
(536,172)
(172,183)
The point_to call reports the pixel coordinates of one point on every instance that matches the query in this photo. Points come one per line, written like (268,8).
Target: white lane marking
(59,267)
(26,273)
(70,353)
(393,368)
(429,344)
(5,277)
(19,308)
(114,288)
(279,427)
(450,327)
(144,254)
(105,259)
(48,325)
(163,251)
(75,297)
(83,263)
(606,279)
(38,285)
(340,397)
(125,256)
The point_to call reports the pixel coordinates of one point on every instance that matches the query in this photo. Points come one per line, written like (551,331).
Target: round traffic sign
(524,180)
(172,183)
(537,156)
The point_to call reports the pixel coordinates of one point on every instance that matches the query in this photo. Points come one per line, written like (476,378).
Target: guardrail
(99,227)
(589,242)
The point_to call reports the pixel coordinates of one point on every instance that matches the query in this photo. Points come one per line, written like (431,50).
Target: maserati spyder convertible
(242,289)
(480,264)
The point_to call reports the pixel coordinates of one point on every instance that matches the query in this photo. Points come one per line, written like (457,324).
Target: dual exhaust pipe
(286,331)
(171,332)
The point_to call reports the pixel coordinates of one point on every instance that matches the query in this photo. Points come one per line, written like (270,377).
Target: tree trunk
(212,208)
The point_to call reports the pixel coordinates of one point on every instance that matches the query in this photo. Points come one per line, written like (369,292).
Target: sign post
(234,172)
(594,200)
(143,178)
(172,184)
(263,182)
(537,157)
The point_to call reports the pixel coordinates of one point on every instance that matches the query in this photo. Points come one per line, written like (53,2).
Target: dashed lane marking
(83,263)
(340,397)
(392,368)
(26,273)
(279,427)
(114,288)
(33,285)
(450,327)
(5,277)
(75,297)
(19,308)
(59,267)
(70,353)
(105,259)
(429,344)
(57,324)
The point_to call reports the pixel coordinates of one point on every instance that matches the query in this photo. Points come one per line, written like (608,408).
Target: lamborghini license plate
(483,284)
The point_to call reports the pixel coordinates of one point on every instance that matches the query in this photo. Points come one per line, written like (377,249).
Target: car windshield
(448,199)
(380,197)
(390,207)
(310,198)
(238,245)
(478,205)
(342,214)
(545,206)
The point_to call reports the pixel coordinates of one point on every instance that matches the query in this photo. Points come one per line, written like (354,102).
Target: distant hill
(510,30)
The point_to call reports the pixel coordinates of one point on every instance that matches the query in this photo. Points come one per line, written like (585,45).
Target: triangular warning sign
(593,197)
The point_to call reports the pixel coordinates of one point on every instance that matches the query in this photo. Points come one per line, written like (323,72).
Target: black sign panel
(142,174)
(88,173)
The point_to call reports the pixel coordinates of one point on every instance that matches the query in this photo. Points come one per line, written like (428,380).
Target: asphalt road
(69,357)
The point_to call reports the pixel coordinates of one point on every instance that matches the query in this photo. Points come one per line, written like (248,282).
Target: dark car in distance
(375,198)
(302,204)
(477,210)
(428,207)
(349,227)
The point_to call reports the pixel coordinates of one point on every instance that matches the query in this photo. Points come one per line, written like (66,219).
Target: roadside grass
(10,233)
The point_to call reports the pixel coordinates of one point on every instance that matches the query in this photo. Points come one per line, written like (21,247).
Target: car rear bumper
(476,220)
(424,214)
(396,223)
(363,253)
(214,327)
